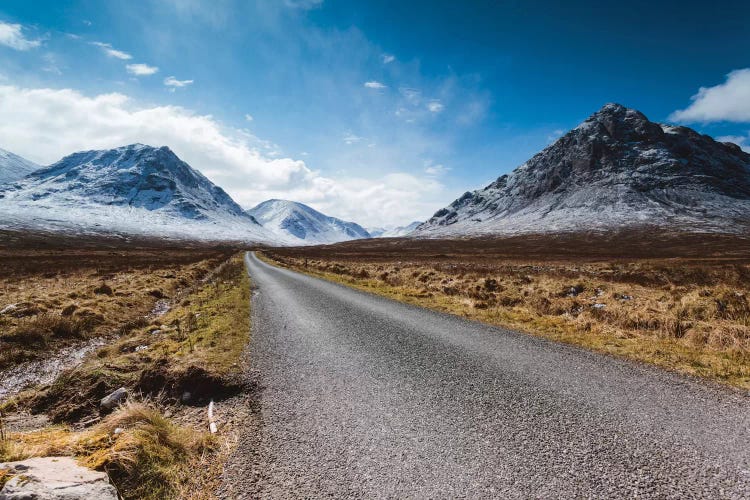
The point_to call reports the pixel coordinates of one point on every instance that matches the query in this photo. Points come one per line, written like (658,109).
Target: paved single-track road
(360,396)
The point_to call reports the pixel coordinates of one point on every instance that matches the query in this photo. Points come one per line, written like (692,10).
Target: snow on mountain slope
(393,232)
(299,224)
(615,170)
(13,167)
(136,189)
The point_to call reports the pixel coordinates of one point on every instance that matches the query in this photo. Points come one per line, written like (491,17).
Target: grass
(53,299)
(688,316)
(196,348)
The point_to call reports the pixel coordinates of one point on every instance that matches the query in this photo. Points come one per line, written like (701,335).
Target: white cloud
(112,52)
(174,83)
(387,58)
(412,96)
(728,101)
(46,124)
(141,69)
(375,85)
(350,138)
(249,117)
(741,141)
(435,106)
(11,35)
(435,169)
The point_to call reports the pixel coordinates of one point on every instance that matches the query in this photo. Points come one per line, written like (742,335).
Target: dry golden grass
(51,301)
(194,347)
(686,315)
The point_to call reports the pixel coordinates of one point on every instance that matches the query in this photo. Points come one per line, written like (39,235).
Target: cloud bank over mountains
(249,168)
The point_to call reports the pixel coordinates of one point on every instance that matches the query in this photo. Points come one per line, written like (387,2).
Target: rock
(599,306)
(141,348)
(55,478)
(114,399)
(9,308)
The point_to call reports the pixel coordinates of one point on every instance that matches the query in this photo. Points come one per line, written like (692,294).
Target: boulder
(110,402)
(55,478)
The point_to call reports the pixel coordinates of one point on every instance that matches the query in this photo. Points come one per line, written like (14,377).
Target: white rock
(55,478)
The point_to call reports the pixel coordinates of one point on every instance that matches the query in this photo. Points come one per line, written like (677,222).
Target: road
(360,396)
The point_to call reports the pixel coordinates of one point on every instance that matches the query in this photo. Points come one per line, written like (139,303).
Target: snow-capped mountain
(13,167)
(136,189)
(393,232)
(296,223)
(615,170)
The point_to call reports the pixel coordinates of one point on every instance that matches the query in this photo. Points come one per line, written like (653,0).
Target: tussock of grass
(693,317)
(145,454)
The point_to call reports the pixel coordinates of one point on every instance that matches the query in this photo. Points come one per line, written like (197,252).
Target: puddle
(44,371)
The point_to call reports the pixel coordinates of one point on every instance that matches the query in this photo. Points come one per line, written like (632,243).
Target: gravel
(360,396)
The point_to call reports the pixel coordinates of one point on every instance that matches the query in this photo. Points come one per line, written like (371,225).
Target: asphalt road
(361,396)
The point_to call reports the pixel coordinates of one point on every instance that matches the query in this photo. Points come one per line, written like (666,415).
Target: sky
(376,111)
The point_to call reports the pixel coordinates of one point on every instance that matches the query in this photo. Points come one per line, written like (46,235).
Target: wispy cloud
(112,52)
(728,101)
(350,138)
(173,83)
(387,58)
(435,169)
(303,4)
(741,141)
(141,69)
(435,106)
(51,65)
(375,85)
(11,35)
(249,117)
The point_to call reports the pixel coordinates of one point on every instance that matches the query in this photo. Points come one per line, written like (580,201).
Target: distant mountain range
(616,170)
(13,167)
(136,189)
(393,232)
(299,224)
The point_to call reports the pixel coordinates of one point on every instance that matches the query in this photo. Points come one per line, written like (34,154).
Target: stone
(114,399)
(55,478)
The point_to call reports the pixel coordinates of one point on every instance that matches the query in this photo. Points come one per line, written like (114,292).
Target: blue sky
(380,112)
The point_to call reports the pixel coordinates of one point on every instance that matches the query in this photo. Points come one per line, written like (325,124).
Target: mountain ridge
(298,223)
(136,189)
(616,169)
(14,167)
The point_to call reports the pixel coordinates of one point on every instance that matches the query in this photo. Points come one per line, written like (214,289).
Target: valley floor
(676,301)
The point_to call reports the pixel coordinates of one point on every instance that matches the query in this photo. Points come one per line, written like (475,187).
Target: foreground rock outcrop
(55,478)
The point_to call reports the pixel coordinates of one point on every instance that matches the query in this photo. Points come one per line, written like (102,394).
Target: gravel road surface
(363,397)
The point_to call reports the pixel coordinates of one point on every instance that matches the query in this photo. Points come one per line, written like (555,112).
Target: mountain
(136,189)
(13,167)
(616,170)
(394,232)
(298,224)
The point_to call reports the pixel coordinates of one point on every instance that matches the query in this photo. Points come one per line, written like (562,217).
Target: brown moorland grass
(685,309)
(49,298)
(195,347)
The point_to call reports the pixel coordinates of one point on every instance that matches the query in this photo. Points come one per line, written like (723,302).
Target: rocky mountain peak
(615,169)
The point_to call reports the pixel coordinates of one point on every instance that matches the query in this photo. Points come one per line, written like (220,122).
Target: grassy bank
(157,445)
(690,316)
